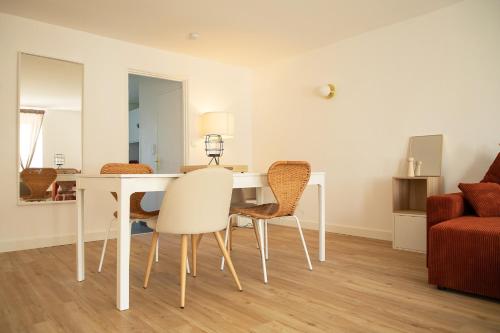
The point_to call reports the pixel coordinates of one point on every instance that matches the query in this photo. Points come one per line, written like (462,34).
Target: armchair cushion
(484,198)
(465,255)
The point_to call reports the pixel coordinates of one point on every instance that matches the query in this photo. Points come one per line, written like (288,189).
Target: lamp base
(214,159)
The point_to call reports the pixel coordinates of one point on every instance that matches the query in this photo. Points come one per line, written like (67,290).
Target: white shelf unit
(409,199)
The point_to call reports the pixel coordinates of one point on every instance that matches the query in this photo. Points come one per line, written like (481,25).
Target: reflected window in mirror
(50,128)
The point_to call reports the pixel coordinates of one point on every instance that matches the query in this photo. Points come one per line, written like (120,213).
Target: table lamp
(216,126)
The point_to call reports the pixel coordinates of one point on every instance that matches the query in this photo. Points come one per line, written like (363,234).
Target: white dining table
(126,184)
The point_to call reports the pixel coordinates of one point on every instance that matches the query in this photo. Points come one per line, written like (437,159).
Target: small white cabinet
(133,126)
(409,232)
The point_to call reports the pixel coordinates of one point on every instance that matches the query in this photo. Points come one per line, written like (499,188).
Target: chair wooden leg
(150,258)
(157,250)
(184,245)
(256,233)
(194,248)
(226,255)
(226,240)
(230,248)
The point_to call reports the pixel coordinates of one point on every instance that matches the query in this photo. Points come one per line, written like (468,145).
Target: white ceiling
(50,84)
(233,31)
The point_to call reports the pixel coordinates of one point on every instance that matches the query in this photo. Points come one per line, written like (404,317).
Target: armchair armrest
(444,207)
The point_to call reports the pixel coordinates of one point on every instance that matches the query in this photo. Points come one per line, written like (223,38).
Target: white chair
(195,204)
(137,214)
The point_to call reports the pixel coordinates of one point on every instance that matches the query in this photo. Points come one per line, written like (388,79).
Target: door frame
(185,104)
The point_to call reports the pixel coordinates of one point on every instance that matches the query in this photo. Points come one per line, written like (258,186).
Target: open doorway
(156,127)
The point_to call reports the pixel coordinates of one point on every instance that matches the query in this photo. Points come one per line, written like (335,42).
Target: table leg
(123,251)
(322,231)
(259,195)
(80,245)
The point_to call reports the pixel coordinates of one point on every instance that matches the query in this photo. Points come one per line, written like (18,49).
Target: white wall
(62,133)
(212,86)
(438,73)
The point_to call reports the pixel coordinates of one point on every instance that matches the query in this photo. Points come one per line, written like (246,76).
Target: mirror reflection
(50,126)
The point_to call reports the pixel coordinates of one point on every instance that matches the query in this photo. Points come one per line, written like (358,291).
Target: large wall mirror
(49,128)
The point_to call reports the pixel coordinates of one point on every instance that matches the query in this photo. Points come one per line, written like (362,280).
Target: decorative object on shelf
(327,91)
(216,126)
(418,168)
(411,167)
(59,160)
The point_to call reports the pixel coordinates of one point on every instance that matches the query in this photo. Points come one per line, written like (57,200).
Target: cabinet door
(410,233)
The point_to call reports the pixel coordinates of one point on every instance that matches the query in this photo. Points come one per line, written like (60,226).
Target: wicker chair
(287,180)
(38,180)
(137,214)
(241,198)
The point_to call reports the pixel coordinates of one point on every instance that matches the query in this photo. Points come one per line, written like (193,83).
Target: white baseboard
(39,242)
(340,229)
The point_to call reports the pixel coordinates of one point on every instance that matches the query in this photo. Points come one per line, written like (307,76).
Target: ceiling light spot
(194,35)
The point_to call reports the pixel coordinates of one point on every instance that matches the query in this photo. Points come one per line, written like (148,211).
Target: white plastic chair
(195,204)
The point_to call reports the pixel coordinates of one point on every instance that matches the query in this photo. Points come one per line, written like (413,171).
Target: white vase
(411,167)
(418,168)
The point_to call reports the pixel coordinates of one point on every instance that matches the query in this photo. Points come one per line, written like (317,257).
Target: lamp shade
(221,123)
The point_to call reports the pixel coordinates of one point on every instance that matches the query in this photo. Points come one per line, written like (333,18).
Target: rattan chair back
(125,168)
(38,181)
(288,180)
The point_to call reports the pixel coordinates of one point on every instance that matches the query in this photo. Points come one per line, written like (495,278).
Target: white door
(161,134)
(170,136)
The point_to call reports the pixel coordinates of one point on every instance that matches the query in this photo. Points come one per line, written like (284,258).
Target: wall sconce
(327,91)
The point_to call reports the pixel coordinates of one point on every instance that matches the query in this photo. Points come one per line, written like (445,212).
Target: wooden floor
(364,286)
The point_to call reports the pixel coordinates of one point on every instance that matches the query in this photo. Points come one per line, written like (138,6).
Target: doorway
(156,127)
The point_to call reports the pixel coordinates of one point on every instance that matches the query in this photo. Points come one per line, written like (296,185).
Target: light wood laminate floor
(364,286)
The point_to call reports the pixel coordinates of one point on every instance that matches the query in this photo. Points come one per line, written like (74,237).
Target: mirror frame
(18,109)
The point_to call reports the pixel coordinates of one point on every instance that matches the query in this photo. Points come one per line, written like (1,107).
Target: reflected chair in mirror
(38,181)
(137,214)
(195,204)
(287,180)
